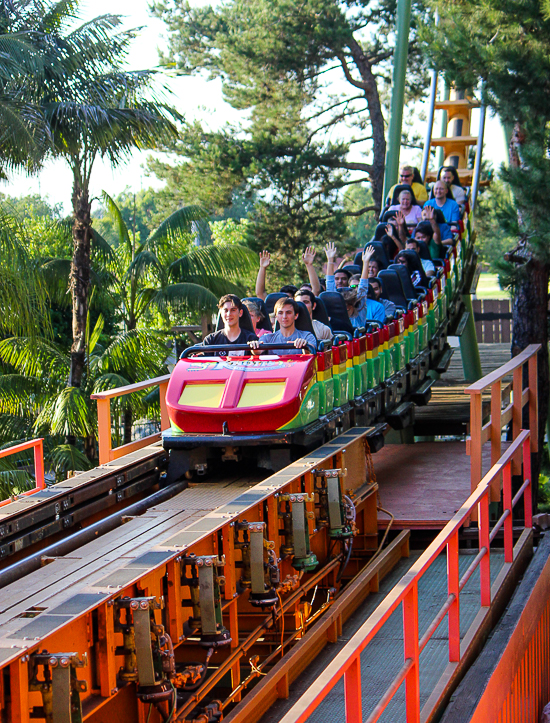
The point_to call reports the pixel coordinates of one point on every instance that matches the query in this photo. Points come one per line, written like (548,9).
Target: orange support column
(527,495)
(19,691)
(164,418)
(485,564)
(453,589)
(39,464)
(104,430)
(352,687)
(410,639)
(107,668)
(507,506)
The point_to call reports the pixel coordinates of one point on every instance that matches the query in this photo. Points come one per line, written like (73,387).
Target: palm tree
(93,107)
(167,271)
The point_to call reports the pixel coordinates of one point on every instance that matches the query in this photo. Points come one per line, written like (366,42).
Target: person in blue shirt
(449,208)
(286,311)
(360,308)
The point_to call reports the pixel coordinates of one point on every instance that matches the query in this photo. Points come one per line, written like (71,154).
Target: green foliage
(307,135)
(140,212)
(493,239)
(360,228)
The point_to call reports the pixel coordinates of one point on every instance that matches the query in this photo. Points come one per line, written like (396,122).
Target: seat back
(272,299)
(245,321)
(397,190)
(380,253)
(393,288)
(424,250)
(415,264)
(265,323)
(337,311)
(379,232)
(320,312)
(353,268)
(406,281)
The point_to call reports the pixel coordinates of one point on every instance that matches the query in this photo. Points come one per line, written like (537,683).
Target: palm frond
(67,414)
(229,261)
(66,457)
(34,357)
(178,223)
(185,297)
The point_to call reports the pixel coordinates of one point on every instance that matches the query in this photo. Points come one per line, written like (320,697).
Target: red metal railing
(347,663)
(38,446)
(106,451)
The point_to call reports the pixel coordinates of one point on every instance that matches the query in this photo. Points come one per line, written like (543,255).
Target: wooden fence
(493,318)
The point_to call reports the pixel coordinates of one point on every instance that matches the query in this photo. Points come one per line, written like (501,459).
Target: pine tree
(507,48)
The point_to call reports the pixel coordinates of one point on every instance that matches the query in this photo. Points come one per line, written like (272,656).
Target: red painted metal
(37,445)
(406,594)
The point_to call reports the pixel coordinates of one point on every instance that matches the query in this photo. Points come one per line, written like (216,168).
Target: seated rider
(376,286)
(440,200)
(286,312)
(265,260)
(411,175)
(360,308)
(427,265)
(231,310)
(322,331)
(256,316)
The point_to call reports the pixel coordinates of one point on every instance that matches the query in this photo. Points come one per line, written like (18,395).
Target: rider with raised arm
(286,312)
(231,310)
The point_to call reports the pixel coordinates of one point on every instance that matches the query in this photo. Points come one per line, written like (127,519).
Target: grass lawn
(488,288)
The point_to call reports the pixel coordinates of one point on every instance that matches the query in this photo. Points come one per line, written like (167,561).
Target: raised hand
(308,257)
(429,213)
(265,259)
(368,253)
(400,218)
(390,230)
(331,251)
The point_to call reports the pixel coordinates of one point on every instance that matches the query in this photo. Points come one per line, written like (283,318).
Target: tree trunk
(80,279)
(529,319)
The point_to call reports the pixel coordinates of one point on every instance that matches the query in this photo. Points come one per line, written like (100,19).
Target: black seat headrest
(320,312)
(406,281)
(272,299)
(353,268)
(393,288)
(397,190)
(415,264)
(337,311)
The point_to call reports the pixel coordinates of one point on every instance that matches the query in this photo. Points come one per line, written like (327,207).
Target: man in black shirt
(231,309)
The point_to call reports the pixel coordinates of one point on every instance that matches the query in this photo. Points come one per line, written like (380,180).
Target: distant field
(488,288)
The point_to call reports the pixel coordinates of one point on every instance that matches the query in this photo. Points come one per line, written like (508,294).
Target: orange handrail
(348,663)
(106,451)
(38,446)
(500,416)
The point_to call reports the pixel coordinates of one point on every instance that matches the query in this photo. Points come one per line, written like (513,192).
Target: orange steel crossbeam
(347,663)
(106,452)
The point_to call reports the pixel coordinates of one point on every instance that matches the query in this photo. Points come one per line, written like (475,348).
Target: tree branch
(332,107)
(347,73)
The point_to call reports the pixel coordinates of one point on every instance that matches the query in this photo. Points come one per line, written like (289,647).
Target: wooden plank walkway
(448,412)
(423,484)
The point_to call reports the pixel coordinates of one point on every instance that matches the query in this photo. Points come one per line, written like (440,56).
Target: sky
(193,96)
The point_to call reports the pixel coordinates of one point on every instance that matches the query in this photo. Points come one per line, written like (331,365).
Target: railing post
(476,448)
(484,541)
(517,409)
(507,505)
(164,418)
(40,482)
(496,430)
(352,692)
(453,580)
(528,492)
(533,403)
(104,430)
(410,639)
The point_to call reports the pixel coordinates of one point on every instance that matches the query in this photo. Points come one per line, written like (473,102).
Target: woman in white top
(412,213)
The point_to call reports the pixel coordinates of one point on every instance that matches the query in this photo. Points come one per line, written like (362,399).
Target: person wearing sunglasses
(411,176)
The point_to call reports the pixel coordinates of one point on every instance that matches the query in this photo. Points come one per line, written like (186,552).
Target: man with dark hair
(376,286)
(286,311)
(427,265)
(322,331)
(231,310)
(289,289)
